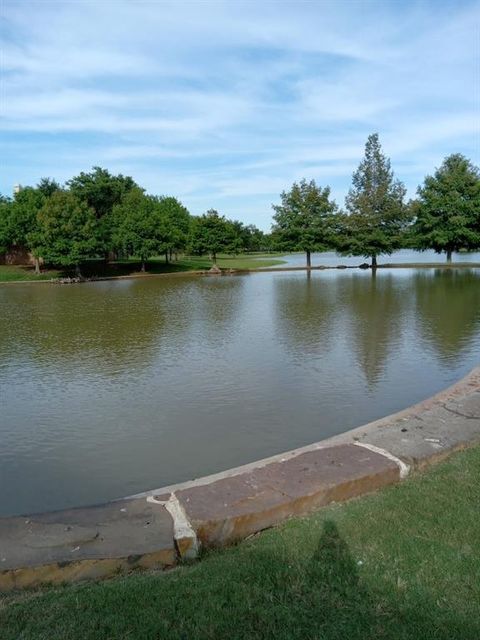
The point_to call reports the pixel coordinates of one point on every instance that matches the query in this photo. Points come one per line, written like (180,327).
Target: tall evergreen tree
(375,204)
(303,220)
(448,208)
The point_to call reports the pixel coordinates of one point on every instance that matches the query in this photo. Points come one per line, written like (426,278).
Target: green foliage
(101,191)
(211,234)
(139,226)
(65,230)
(448,208)
(48,186)
(19,217)
(5,213)
(303,220)
(377,214)
(176,221)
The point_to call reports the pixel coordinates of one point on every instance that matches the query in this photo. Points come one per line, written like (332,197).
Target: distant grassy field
(402,564)
(156,265)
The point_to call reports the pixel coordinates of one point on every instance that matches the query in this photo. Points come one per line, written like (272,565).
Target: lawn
(400,564)
(97,268)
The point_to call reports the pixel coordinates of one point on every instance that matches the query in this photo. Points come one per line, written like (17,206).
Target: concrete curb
(156,528)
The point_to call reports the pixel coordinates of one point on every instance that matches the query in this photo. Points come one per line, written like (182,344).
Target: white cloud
(233,101)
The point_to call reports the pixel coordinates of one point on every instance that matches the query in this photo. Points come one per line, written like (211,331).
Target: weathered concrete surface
(84,543)
(235,507)
(430,430)
(153,528)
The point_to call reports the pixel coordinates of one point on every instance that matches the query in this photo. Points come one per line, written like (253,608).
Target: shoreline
(230,271)
(160,527)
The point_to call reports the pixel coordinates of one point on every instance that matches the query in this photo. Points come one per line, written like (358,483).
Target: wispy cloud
(226,103)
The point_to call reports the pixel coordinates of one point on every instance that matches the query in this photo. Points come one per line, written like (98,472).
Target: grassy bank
(400,564)
(131,267)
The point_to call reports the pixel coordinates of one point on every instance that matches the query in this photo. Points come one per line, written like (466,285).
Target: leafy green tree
(140,226)
(211,233)
(65,231)
(101,191)
(303,220)
(5,214)
(448,208)
(48,186)
(375,203)
(176,220)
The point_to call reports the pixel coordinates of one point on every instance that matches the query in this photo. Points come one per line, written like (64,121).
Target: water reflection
(377,307)
(110,388)
(447,304)
(305,310)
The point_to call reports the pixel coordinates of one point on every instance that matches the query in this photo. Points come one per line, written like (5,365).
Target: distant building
(17,188)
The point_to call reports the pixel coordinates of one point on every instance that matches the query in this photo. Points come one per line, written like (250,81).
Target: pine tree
(375,203)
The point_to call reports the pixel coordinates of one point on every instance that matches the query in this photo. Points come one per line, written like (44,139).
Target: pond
(112,388)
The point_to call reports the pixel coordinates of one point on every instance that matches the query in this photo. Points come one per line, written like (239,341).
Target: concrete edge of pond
(226,271)
(157,528)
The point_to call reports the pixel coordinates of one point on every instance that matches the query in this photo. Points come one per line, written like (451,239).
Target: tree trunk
(309,260)
(176,256)
(374,262)
(143,266)
(449,255)
(166,257)
(171,252)
(214,257)
(78,273)
(37,266)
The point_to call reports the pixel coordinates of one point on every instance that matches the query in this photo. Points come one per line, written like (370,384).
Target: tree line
(445,215)
(100,215)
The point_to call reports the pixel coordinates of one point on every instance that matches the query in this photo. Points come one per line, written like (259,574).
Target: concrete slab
(429,431)
(234,507)
(84,543)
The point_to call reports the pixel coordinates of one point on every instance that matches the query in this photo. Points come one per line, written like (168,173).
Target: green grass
(132,267)
(19,274)
(401,564)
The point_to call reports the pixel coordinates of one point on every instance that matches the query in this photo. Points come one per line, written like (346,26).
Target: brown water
(111,388)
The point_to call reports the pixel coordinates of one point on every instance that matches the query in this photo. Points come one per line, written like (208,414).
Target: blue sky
(225,104)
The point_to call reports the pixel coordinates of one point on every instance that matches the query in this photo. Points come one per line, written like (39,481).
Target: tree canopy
(65,231)
(140,227)
(377,216)
(447,209)
(211,233)
(304,218)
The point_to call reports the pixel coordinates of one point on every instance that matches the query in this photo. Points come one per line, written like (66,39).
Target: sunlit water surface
(111,388)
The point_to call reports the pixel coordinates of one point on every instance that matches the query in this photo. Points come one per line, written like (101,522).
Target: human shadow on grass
(263,590)
(325,598)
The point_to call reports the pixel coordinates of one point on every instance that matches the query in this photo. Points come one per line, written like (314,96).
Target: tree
(448,208)
(65,233)
(176,220)
(48,186)
(211,233)
(5,215)
(139,226)
(302,221)
(375,203)
(101,191)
